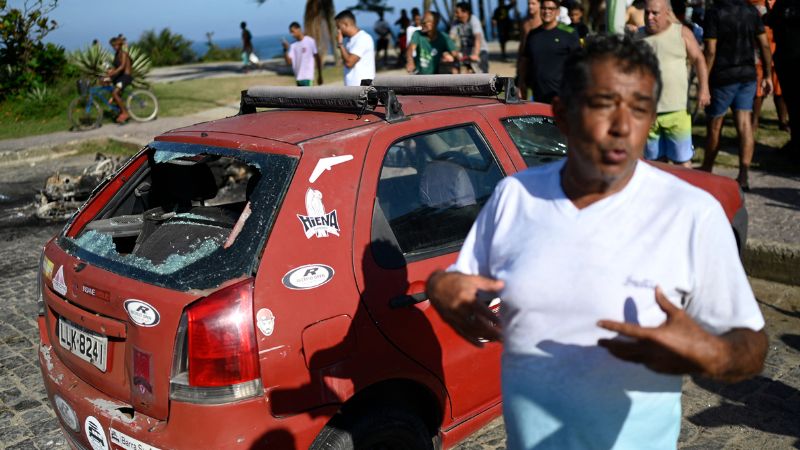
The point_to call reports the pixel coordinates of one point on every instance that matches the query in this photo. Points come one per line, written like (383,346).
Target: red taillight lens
(221,338)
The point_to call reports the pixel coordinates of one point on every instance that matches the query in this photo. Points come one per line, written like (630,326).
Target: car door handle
(402,301)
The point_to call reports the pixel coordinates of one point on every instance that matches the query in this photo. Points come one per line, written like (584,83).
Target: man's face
(346,27)
(549,13)
(428,24)
(462,15)
(533,7)
(575,15)
(417,19)
(656,18)
(607,130)
(296,32)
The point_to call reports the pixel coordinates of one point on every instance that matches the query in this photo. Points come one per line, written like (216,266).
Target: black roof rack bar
(466,84)
(338,98)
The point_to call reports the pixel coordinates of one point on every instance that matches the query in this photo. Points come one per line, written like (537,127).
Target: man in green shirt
(430,47)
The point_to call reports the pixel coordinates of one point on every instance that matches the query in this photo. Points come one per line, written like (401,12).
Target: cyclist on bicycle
(120,75)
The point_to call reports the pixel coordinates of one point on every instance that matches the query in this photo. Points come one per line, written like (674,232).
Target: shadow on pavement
(782,197)
(760,403)
(791,340)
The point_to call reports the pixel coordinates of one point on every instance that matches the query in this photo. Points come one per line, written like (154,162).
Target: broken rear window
(191,218)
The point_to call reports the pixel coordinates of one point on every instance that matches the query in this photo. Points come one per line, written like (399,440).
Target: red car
(258,281)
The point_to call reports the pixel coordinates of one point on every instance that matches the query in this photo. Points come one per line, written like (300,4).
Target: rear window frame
(241,258)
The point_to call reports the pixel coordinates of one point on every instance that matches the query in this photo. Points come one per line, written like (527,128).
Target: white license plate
(88,346)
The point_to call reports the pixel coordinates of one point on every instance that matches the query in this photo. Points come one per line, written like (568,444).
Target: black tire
(385,428)
(83,118)
(142,105)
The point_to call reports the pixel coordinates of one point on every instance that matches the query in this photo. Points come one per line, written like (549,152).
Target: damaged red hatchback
(258,281)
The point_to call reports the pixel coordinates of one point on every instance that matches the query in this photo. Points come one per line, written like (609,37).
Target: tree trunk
(319,24)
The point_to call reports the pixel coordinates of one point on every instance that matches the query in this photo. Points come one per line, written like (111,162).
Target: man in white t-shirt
(416,25)
(358,53)
(302,55)
(615,277)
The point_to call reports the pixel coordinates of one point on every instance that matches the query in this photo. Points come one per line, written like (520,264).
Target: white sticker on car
(95,434)
(265,321)
(308,276)
(125,441)
(59,285)
(317,221)
(325,164)
(66,413)
(142,313)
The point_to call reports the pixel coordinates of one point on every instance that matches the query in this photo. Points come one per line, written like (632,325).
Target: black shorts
(122,81)
(383,44)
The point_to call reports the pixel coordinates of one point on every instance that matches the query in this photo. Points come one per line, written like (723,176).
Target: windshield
(192,217)
(536,138)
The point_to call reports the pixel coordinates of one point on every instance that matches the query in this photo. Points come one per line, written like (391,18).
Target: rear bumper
(246,424)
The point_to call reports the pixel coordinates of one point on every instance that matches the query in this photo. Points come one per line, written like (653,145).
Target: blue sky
(80,21)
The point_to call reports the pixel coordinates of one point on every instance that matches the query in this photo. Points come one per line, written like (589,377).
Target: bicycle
(86,110)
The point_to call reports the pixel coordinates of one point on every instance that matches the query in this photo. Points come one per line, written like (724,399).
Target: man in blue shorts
(732,28)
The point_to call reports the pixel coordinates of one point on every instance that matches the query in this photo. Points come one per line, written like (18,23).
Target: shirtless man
(120,75)
(530,22)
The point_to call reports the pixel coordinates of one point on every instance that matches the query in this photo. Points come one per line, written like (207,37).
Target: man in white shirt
(615,277)
(416,25)
(302,55)
(358,53)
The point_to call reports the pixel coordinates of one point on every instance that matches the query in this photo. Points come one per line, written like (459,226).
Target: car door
(423,183)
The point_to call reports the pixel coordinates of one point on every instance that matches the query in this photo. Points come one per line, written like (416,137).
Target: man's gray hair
(630,54)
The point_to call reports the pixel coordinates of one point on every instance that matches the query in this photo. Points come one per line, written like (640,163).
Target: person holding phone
(302,55)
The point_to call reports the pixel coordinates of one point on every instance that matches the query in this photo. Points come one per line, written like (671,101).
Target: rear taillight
(217,357)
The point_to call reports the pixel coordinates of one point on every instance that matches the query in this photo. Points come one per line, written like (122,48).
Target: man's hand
(704,98)
(339,36)
(766,85)
(410,66)
(319,80)
(681,346)
(455,297)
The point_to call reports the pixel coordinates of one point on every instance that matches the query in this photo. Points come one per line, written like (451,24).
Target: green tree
(166,48)
(25,61)
(376,6)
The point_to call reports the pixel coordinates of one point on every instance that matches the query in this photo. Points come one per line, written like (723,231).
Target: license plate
(90,347)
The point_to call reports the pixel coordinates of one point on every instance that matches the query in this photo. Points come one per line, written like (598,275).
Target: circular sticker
(142,313)
(95,434)
(308,276)
(66,412)
(265,321)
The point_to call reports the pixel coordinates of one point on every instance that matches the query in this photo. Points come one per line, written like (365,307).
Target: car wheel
(385,429)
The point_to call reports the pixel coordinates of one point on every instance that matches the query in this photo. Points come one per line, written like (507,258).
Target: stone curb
(772,261)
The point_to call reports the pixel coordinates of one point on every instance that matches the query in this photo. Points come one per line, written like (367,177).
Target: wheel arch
(404,393)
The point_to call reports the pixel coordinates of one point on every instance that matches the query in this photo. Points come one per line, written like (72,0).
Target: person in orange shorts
(780,104)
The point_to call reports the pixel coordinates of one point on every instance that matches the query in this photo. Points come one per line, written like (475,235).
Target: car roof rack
(480,84)
(382,90)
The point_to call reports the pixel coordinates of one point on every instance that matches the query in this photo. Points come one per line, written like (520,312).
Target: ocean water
(265,47)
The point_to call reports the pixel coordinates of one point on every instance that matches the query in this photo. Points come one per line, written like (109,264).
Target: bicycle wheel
(142,105)
(83,114)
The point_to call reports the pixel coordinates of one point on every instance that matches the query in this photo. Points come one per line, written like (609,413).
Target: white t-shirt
(302,54)
(409,34)
(565,269)
(361,45)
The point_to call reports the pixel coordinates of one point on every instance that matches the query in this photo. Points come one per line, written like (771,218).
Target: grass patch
(108,147)
(21,116)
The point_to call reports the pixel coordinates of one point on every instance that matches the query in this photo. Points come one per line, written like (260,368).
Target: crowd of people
(729,48)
